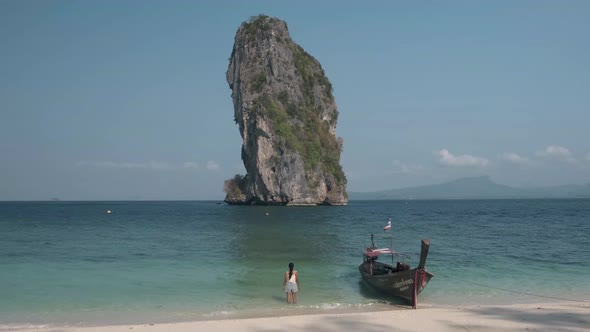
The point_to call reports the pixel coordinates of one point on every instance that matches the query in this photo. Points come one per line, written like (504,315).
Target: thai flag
(388,226)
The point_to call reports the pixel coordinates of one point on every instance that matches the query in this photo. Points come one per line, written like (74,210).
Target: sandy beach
(519,317)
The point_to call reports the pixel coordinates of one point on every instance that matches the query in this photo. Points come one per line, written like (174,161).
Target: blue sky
(128,99)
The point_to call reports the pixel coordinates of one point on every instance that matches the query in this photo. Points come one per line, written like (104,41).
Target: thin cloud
(159,165)
(154,165)
(150,165)
(212,166)
(515,158)
(557,152)
(191,164)
(401,167)
(464,160)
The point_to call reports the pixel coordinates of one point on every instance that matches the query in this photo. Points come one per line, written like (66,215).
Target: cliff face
(287,116)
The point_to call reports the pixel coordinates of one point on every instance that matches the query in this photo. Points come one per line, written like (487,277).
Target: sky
(127,100)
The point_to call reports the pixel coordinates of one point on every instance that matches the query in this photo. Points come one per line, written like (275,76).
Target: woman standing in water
(291,284)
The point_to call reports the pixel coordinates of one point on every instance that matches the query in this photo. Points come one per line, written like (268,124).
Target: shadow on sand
(543,318)
(546,319)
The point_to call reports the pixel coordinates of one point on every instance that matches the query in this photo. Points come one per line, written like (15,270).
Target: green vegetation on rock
(259,22)
(236,186)
(259,82)
(301,129)
(311,72)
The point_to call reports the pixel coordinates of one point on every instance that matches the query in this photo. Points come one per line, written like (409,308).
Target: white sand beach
(560,316)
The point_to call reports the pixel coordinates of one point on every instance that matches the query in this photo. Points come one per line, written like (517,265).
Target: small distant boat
(397,279)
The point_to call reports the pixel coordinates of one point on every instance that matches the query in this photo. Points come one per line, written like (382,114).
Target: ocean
(74,264)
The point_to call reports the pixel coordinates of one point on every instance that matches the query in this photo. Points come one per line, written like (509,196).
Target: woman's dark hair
(291,265)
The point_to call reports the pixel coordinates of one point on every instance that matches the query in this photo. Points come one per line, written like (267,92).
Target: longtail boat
(397,279)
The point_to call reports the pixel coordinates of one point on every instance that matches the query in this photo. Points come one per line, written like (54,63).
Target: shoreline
(554,316)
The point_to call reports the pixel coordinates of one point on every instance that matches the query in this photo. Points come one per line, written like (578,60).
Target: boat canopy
(380,251)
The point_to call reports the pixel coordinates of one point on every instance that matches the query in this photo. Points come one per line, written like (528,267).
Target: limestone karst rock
(286,114)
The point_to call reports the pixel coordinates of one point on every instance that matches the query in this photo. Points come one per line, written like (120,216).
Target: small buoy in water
(267,213)
(108,211)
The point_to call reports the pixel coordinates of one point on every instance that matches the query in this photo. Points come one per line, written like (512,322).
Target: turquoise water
(71,263)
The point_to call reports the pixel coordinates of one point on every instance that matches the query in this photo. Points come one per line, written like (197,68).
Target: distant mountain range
(481,187)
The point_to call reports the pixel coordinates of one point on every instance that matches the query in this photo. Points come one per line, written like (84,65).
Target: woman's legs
(294,298)
(288,297)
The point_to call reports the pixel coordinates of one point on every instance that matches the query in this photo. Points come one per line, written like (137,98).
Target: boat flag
(388,226)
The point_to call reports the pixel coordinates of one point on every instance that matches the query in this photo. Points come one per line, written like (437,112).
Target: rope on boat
(514,291)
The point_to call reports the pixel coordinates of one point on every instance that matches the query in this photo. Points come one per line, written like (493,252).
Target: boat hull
(398,284)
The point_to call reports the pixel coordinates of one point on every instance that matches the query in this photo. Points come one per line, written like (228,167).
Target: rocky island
(286,114)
